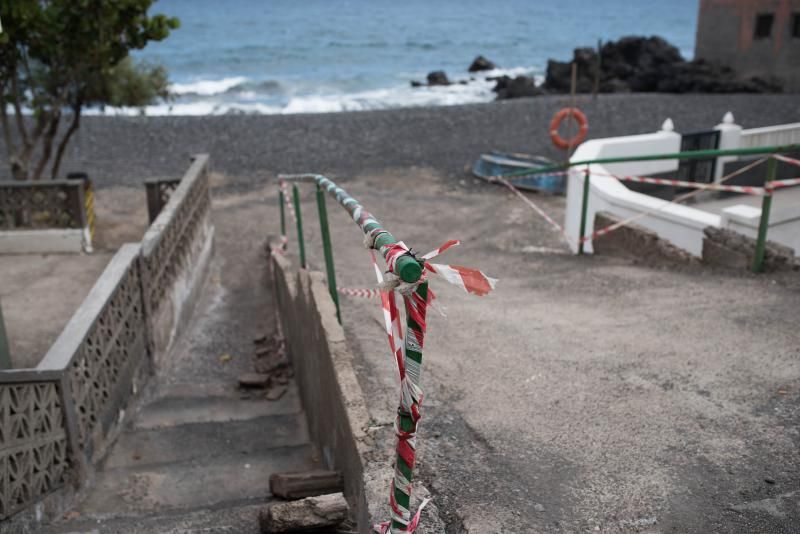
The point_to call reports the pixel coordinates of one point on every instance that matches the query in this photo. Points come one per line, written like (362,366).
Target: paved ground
(586,393)
(197,454)
(40,292)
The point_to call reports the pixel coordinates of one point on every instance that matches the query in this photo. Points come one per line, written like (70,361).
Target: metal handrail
(408,268)
(758,258)
(693,154)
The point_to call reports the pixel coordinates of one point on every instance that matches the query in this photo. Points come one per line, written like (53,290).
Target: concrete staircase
(197,453)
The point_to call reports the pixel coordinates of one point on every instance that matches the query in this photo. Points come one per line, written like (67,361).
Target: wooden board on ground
(306,515)
(305,484)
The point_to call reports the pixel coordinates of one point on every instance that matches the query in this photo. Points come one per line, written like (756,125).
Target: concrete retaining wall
(332,397)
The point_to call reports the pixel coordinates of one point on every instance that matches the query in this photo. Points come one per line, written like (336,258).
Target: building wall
(726,33)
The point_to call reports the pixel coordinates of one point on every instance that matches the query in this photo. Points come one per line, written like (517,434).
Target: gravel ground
(586,393)
(118,150)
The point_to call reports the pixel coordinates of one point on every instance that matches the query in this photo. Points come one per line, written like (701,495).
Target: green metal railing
(758,258)
(406,267)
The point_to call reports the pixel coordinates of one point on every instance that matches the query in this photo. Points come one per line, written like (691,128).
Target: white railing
(780,135)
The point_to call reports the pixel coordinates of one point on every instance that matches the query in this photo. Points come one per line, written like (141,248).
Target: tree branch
(23,132)
(7,139)
(74,125)
(47,150)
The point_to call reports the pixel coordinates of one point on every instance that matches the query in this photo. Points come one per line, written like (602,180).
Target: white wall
(681,225)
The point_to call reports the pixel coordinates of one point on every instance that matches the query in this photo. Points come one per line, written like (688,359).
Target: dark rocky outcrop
(480,63)
(648,64)
(438,77)
(521,86)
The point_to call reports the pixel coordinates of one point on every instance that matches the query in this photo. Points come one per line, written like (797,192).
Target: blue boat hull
(498,163)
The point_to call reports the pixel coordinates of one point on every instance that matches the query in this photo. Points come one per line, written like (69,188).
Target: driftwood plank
(305,484)
(306,515)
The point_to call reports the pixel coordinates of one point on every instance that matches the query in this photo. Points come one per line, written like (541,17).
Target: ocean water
(306,56)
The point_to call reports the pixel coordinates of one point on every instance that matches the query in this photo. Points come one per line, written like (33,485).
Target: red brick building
(755,37)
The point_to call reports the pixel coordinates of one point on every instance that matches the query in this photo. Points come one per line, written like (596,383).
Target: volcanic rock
(481,63)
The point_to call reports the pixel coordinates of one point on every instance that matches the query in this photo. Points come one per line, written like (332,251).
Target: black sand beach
(126,150)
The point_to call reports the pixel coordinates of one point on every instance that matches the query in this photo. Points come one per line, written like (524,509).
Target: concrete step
(178,410)
(153,446)
(194,484)
(228,518)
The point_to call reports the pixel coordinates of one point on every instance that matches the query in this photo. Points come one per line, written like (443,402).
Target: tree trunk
(74,125)
(47,150)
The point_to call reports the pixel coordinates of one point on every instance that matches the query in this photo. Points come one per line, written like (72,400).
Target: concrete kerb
(335,405)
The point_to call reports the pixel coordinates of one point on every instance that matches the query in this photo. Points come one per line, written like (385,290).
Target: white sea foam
(209,98)
(207,87)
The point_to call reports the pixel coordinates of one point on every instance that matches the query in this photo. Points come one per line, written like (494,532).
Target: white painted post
(730,136)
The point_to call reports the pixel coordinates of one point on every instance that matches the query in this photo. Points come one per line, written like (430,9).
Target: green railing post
(328,249)
(282,200)
(300,242)
(763,225)
(5,354)
(584,209)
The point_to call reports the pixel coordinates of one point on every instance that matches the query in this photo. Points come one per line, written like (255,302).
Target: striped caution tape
(287,199)
(749,190)
(787,159)
(777,184)
(610,228)
(533,206)
(359,293)
(616,226)
(417,298)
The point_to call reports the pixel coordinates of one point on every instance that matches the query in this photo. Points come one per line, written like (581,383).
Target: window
(796,25)
(764,25)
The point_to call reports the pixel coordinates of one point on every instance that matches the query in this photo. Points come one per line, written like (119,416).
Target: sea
(320,56)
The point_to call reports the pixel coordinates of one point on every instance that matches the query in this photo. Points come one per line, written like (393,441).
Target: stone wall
(637,242)
(729,249)
(332,397)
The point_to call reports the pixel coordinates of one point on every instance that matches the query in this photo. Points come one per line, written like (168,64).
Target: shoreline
(121,150)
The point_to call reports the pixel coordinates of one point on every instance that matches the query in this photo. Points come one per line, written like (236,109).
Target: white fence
(682,225)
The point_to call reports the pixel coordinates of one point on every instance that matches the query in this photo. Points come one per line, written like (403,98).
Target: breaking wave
(239,94)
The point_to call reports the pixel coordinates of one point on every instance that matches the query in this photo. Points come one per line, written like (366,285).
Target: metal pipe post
(584,209)
(763,225)
(406,423)
(300,242)
(5,354)
(328,249)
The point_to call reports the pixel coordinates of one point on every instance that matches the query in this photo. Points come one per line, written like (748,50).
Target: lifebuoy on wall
(558,118)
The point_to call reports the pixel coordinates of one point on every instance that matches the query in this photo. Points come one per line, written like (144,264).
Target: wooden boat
(498,163)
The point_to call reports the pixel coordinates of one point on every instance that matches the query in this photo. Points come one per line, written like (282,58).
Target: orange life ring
(558,118)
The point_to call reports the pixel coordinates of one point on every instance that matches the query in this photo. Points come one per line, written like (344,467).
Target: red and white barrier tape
(360,293)
(777,184)
(409,370)
(288,199)
(533,206)
(787,159)
(749,190)
(610,228)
